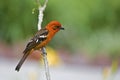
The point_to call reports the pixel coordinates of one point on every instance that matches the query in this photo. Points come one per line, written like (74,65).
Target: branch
(44,53)
(40,16)
(46,63)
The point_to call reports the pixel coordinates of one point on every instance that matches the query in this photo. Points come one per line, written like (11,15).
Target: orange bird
(41,38)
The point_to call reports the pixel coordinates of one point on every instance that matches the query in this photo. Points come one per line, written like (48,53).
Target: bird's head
(54,26)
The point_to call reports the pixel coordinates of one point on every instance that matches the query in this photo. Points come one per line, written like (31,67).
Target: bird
(40,40)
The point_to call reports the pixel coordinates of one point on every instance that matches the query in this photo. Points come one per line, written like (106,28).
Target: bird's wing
(36,40)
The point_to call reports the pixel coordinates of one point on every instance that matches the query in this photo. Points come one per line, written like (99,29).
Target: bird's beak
(61,28)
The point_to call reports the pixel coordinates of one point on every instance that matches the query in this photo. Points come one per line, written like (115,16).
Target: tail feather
(21,61)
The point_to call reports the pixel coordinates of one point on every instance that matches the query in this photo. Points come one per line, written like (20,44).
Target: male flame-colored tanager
(41,38)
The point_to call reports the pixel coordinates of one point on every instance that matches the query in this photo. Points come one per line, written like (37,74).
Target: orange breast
(45,42)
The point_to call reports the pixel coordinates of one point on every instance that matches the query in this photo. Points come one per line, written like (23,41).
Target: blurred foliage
(110,72)
(92,26)
(16,20)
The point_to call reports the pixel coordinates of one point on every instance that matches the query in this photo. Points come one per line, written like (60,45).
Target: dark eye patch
(56,27)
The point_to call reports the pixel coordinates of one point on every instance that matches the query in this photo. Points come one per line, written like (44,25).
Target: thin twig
(40,16)
(44,53)
(46,63)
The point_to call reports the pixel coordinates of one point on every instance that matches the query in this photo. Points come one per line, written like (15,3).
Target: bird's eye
(56,27)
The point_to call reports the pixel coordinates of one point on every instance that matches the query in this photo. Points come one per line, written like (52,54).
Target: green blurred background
(88,48)
(91,26)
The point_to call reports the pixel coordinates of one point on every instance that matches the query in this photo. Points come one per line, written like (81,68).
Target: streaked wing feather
(36,40)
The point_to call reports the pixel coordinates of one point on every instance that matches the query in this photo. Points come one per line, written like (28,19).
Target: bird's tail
(21,61)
